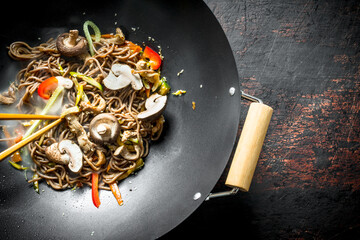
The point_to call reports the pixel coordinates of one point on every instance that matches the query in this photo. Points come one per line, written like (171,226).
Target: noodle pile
(45,61)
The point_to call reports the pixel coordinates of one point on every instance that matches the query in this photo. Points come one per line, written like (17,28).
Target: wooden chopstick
(20,116)
(29,139)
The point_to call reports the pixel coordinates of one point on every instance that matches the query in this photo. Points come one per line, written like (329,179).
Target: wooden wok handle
(249,146)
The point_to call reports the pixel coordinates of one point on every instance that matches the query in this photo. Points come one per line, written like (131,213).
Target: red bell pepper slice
(154,57)
(95,189)
(116,191)
(47,87)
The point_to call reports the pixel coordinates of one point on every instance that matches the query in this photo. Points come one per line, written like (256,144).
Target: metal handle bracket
(234,190)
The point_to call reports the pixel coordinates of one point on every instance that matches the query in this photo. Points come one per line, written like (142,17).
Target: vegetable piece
(116,191)
(95,189)
(16,157)
(87,79)
(107,35)
(101,158)
(157,84)
(47,87)
(66,152)
(147,92)
(77,86)
(133,47)
(161,86)
(154,105)
(154,57)
(61,69)
(49,104)
(82,138)
(19,136)
(118,38)
(70,110)
(68,147)
(125,153)
(18,166)
(179,92)
(121,76)
(54,154)
(71,44)
(97,32)
(97,105)
(164,88)
(104,128)
(36,183)
(79,94)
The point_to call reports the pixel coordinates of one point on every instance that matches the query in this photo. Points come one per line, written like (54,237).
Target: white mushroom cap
(121,76)
(154,105)
(68,147)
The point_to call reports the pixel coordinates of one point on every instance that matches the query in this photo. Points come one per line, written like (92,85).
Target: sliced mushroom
(149,74)
(71,44)
(104,128)
(126,154)
(101,158)
(65,82)
(8,97)
(155,105)
(127,134)
(53,154)
(85,144)
(121,76)
(118,38)
(97,106)
(114,83)
(67,153)
(69,148)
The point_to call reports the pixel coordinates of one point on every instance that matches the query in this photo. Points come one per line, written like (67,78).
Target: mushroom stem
(102,129)
(74,125)
(73,35)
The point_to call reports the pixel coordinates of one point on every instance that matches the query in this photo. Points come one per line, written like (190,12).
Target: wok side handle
(249,146)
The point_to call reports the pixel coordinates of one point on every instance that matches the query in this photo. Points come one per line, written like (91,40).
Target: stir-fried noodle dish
(110,96)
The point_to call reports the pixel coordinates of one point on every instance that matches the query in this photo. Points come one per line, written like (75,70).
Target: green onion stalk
(86,26)
(46,109)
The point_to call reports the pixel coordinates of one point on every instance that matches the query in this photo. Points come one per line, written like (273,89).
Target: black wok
(188,159)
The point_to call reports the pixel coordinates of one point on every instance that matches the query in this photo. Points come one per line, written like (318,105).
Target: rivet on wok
(197,196)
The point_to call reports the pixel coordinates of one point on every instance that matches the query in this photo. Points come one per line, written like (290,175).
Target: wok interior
(194,148)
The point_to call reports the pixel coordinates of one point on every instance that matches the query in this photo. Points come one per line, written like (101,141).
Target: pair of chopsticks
(22,143)
(20,116)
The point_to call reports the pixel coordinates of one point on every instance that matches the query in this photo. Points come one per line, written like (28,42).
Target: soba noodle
(45,61)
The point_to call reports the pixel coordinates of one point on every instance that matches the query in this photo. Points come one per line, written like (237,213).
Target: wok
(182,167)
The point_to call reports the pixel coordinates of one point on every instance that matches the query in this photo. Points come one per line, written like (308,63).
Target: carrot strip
(16,156)
(116,191)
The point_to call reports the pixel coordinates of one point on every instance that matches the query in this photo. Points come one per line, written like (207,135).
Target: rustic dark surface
(302,58)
